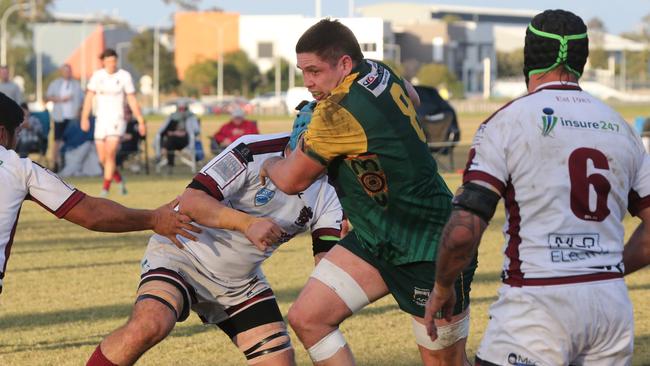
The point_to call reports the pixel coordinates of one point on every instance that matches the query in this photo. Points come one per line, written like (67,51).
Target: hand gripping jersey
(367,134)
(568,167)
(110,90)
(228,257)
(22,179)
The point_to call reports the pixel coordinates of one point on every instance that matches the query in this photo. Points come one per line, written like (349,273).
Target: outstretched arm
(99,214)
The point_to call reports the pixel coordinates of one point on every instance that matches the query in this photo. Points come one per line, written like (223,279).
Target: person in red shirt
(234,129)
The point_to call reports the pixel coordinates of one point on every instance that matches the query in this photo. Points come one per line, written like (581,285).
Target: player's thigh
(257,328)
(111,145)
(156,309)
(341,284)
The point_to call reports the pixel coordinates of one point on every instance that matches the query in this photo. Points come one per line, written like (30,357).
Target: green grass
(66,288)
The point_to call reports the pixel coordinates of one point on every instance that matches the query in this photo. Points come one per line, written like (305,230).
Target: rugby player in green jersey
(365,135)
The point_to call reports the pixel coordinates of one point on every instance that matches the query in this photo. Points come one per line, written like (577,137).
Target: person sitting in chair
(237,127)
(30,137)
(130,141)
(176,132)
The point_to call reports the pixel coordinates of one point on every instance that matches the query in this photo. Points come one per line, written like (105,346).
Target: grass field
(66,288)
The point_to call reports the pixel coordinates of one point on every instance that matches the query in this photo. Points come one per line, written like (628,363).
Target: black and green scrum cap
(563,52)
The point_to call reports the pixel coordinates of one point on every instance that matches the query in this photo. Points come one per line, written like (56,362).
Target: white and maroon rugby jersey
(110,90)
(568,167)
(232,177)
(22,179)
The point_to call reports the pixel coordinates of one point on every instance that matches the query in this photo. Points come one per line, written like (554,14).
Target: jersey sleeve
(328,214)
(639,196)
(226,173)
(487,157)
(50,191)
(129,88)
(332,132)
(92,83)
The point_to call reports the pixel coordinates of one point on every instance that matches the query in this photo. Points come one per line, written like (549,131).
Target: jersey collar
(559,85)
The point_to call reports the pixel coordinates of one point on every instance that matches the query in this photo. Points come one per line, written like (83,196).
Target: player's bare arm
(208,211)
(636,253)
(292,174)
(85,111)
(135,108)
(100,214)
(474,206)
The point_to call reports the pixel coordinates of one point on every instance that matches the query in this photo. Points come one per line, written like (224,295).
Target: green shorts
(411,283)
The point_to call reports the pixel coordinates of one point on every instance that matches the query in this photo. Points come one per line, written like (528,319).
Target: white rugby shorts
(589,323)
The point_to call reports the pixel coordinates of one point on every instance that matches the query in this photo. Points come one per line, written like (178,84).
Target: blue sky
(624,17)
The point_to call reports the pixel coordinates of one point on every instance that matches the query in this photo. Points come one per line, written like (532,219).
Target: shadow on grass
(93,340)
(35,320)
(76,266)
(95,243)
(645,286)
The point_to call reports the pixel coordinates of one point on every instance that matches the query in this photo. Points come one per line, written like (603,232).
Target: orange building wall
(196,37)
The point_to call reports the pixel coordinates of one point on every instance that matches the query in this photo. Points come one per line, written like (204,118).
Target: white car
(194,105)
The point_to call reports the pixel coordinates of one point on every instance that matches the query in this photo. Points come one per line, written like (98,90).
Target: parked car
(270,103)
(227,104)
(194,106)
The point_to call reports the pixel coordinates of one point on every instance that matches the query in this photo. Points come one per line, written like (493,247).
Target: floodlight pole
(3,28)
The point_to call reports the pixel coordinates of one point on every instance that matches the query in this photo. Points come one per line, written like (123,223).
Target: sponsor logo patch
(226,169)
(548,121)
(263,196)
(420,296)
(376,80)
(519,360)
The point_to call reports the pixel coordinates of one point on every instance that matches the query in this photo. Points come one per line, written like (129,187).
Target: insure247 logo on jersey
(550,121)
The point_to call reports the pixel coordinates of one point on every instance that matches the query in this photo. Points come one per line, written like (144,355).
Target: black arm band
(476,199)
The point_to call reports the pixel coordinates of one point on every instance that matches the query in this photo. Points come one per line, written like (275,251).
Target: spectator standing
(8,87)
(66,95)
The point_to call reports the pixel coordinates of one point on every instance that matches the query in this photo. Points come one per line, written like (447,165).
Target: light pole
(220,59)
(156,67)
(3,28)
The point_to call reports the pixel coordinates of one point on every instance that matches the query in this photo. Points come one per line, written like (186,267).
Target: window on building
(368,47)
(265,49)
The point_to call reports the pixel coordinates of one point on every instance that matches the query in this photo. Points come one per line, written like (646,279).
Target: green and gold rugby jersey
(367,134)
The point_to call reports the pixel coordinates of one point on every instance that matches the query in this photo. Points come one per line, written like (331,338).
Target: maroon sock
(107,184)
(117,177)
(98,359)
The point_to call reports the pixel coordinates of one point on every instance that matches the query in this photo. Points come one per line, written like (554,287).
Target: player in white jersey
(219,275)
(21,179)
(568,168)
(109,87)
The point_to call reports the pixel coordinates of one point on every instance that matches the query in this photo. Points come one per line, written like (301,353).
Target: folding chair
(44,118)
(439,138)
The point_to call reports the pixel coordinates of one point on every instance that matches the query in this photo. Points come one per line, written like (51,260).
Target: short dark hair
(109,52)
(11,115)
(330,40)
(541,52)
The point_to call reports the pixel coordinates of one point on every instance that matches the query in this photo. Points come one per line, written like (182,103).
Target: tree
(438,75)
(184,4)
(247,73)
(510,64)
(140,55)
(201,77)
(20,54)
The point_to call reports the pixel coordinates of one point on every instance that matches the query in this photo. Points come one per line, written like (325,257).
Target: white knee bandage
(447,334)
(342,283)
(327,347)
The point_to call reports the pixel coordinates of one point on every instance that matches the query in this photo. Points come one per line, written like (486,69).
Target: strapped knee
(447,334)
(327,347)
(342,283)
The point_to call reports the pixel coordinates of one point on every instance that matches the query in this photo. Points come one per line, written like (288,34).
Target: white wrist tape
(447,334)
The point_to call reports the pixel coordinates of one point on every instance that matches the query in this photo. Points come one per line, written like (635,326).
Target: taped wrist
(476,199)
